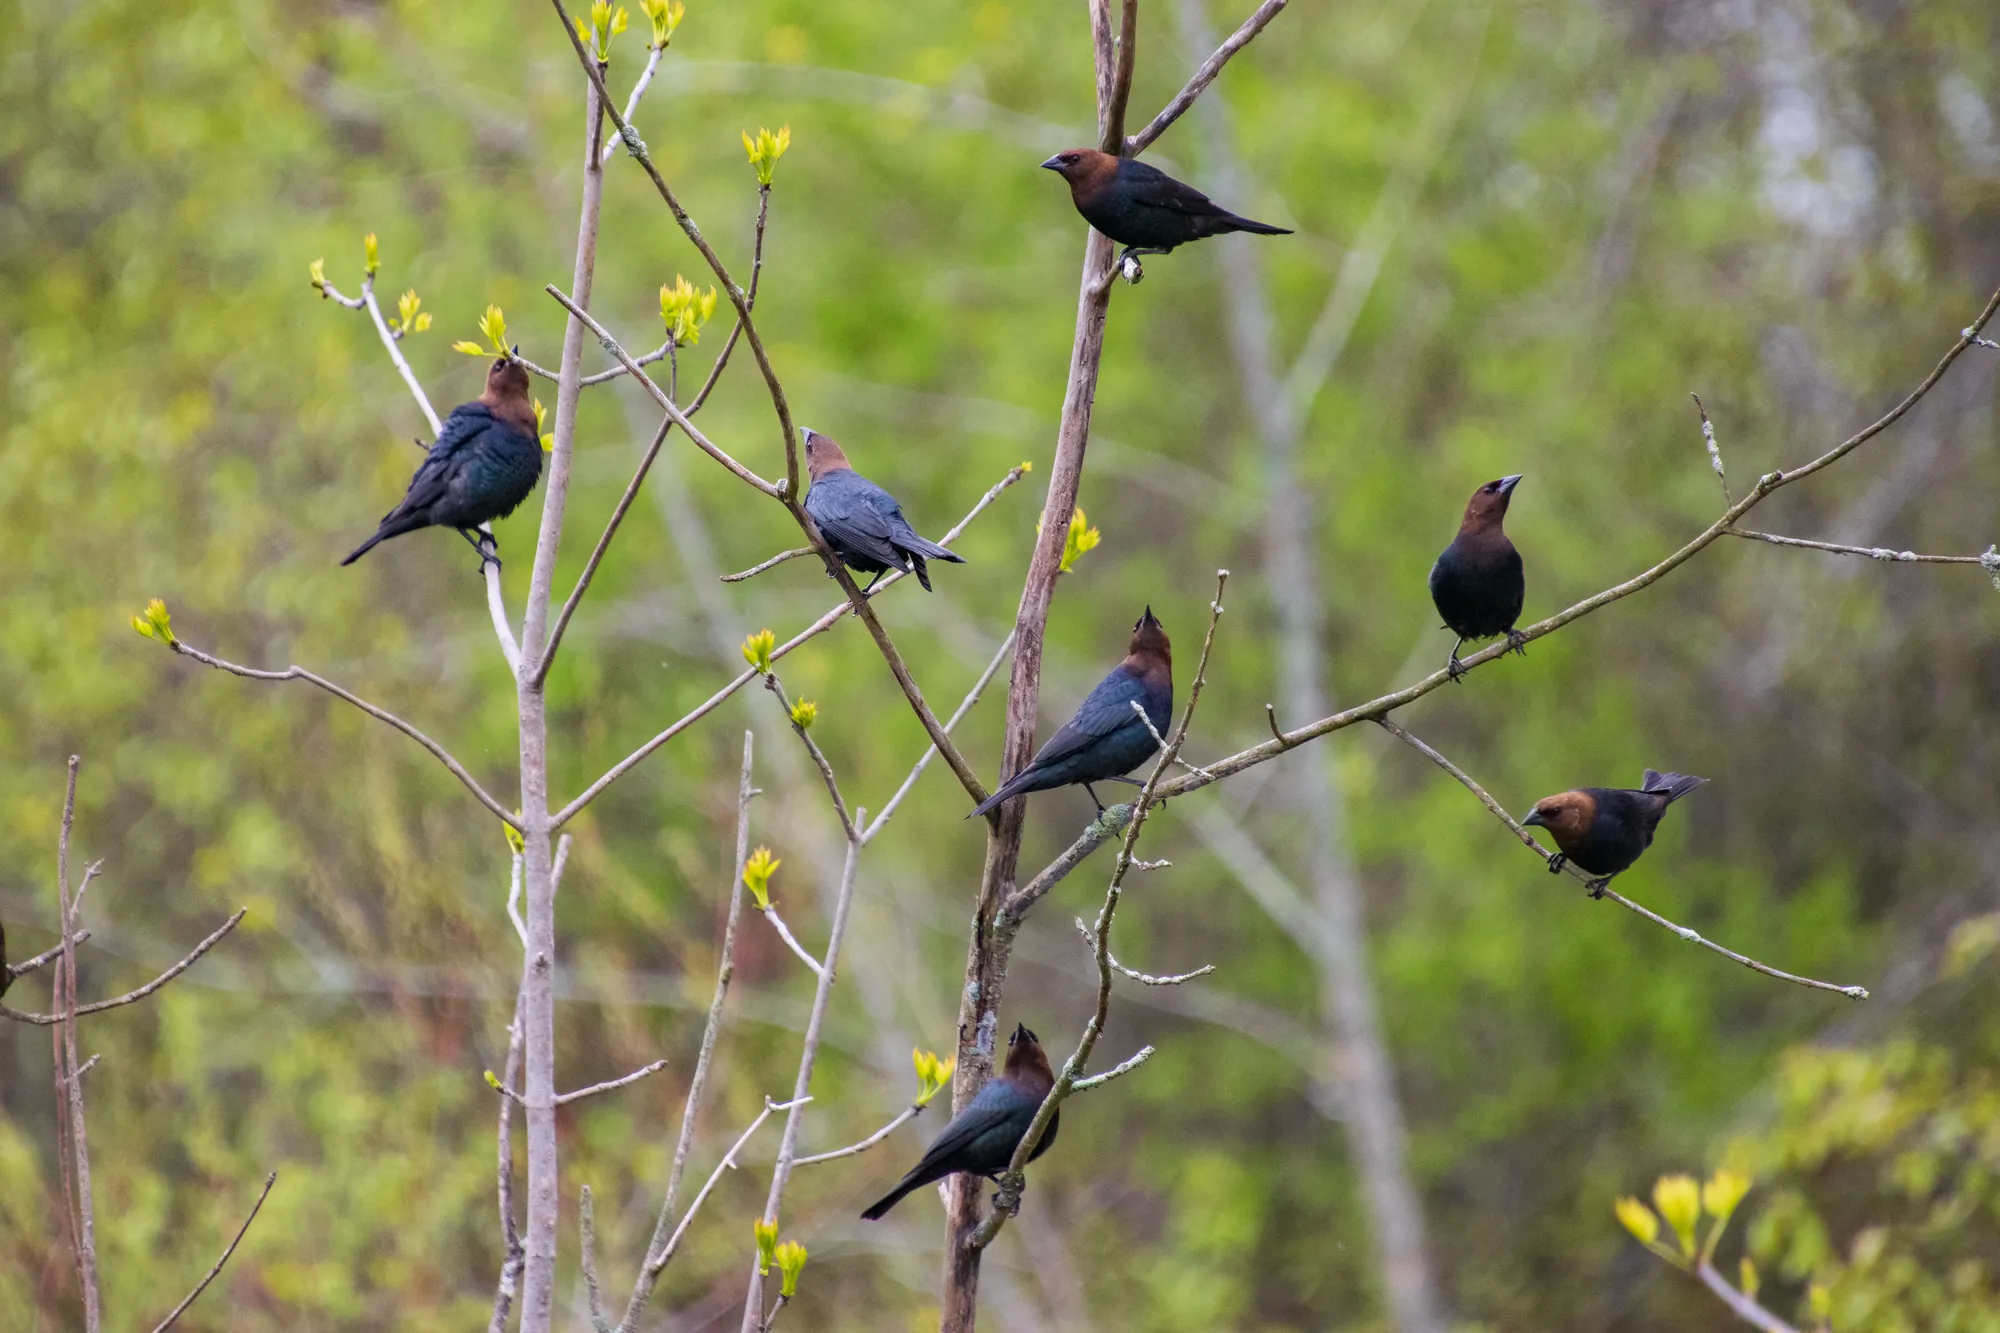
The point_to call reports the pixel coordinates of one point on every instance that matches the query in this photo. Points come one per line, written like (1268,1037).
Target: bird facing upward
(1141,207)
(862,522)
(486,460)
(1604,829)
(1105,739)
(1477,584)
(981,1139)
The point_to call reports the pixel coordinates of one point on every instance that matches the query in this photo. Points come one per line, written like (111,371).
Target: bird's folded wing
(1107,709)
(1156,189)
(858,521)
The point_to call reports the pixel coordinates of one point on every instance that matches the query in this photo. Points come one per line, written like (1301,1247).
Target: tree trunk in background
(1358,1060)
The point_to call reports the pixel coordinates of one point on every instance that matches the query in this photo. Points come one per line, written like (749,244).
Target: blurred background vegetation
(1580,212)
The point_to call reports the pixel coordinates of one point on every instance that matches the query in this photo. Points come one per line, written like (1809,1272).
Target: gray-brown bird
(1141,207)
(862,522)
(1605,829)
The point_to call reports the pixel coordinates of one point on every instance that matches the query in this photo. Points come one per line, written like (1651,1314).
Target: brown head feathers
(1150,652)
(1566,815)
(823,454)
(1488,505)
(1026,1064)
(1086,169)
(506,394)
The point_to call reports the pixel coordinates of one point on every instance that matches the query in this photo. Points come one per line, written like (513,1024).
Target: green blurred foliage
(1790,208)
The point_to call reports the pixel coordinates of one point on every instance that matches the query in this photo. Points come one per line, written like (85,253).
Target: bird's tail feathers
(930,550)
(1239,223)
(880,1208)
(363,549)
(1675,785)
(917,566)
(1009,789)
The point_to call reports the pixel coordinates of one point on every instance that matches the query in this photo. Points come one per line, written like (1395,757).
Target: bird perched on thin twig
(862,522)
(1604,829)
(1477,582)
(1105,739)
(486,460)
(981,1139)
(1141,207)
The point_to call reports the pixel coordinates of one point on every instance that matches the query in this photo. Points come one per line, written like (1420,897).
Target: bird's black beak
(1147,619)
(1507,484)
(1021,1034)
(1534,819)
(1053,164)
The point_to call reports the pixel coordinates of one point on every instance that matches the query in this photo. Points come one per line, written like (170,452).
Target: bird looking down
(1141,207)
(862,522)
(1105,739)
(1604,829)
(1477,583)
(981,1139)
(486,460)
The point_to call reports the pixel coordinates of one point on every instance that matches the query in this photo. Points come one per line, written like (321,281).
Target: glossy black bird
(1141,207)
(862,522)
(1477,582)
(1604,829)
(981,1139)
(1105,739)
(485,462)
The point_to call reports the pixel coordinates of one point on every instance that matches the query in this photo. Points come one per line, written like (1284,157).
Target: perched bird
(862,522)
(485,462)
(981,1139)
(1141,207)
(1477,582)
(1604,829)
(1105,739)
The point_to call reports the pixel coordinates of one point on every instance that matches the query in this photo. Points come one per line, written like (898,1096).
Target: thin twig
(130,997)
(728,1163)
(1126,1066)
(826,622)
(649,1272)
(964,707)
(510,1231)
(909,1113)
(1528,839)
(1714,449)
(1204,76)
(564,1099)
(438,752)
(785,934)
(847,824)
(216,1270)
(586,1226)
(772,563)
(737,296)
(1145,978)
(1161,741)
(1872,552)
(645,81)
(69,1078)
(42,959)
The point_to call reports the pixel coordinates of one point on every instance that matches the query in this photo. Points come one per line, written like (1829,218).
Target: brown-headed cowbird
(981,1139)
(486,460)
(1604,829)
(1141,207)
(1477,582)
(862,522)
(1105,739)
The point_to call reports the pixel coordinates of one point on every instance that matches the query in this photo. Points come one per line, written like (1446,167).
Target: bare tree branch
(131,997)
(776,560)
(1528,839)
(658,1262)
(39,961)
(1872,552)
(1145,978)
(785,934)
(438,752)
(510,1232)
(649,1272)
(964,707)
(1740,1305)
(564,1099)
(909,1113)
(1203,76)
(69,1080)
(216,1270)
(1129,1064)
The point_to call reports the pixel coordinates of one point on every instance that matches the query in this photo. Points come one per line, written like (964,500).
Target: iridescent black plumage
(862,522)
(1141,207)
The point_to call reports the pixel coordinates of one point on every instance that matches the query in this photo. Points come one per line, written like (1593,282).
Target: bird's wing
(1105,710)
(861,515)
(462,430)
(1155,189)
(981,1117)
